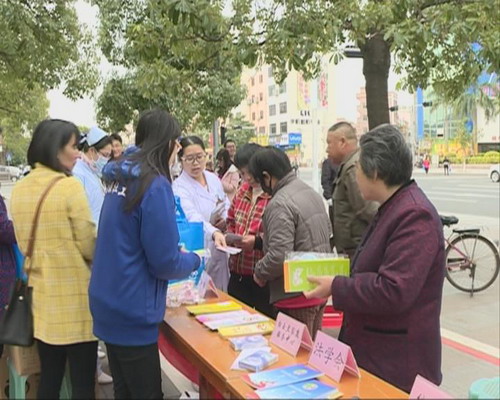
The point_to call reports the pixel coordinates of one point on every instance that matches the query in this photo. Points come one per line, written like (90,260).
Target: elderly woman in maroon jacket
(392,301)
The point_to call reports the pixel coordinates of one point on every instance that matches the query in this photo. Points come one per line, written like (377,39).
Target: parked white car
(494,173)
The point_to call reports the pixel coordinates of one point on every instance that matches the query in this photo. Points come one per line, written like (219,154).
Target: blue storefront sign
(294,139)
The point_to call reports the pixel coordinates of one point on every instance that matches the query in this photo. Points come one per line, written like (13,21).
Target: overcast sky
(82,111)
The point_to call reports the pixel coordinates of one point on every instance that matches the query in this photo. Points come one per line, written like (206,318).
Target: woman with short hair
(64,247)
(392,300)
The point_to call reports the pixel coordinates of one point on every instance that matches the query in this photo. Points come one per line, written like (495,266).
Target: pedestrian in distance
(426,164)
(446,166)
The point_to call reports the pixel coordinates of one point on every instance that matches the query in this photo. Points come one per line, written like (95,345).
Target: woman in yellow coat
(64,248)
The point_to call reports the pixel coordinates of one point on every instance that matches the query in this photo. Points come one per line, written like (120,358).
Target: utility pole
(216,136)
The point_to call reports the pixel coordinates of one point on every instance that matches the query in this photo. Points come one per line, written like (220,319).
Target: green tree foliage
(240,130)
(430,41)
(42,46)
(183,67)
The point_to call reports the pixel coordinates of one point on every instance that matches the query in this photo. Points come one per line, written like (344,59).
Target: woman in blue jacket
(136,254)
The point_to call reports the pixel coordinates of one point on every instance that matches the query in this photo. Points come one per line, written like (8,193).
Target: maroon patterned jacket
(392,301)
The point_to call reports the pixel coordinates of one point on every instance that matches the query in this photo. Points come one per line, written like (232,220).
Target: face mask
(265,188)
(99,164)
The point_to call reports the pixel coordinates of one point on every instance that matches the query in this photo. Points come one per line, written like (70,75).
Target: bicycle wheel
(480,252)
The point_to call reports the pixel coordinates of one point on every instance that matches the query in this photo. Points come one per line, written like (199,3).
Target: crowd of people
(108,243)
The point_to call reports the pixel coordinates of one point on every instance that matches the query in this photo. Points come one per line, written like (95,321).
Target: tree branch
(436,3)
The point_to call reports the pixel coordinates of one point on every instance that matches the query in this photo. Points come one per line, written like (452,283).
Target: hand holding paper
(324,288)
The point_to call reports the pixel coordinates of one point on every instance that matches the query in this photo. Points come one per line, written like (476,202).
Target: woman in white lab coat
(203,200)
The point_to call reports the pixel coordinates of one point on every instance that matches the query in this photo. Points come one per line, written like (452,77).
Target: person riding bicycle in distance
(392,300)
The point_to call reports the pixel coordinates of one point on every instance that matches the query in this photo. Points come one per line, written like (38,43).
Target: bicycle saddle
(448,221)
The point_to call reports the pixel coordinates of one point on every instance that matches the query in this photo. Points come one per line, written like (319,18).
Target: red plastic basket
(332,318)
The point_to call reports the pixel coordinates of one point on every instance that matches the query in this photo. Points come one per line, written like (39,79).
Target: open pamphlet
(311,389)
(281,376)
(299,265)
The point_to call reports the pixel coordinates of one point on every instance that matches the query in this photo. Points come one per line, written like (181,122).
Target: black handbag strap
(34,226)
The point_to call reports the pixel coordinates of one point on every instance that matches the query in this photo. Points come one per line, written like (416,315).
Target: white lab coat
(198,203)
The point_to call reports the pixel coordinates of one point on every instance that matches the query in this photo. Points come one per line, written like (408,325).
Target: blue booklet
(312,389)
(281,376)
(258,361)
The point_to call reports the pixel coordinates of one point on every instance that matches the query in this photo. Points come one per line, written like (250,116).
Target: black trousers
(82,360)
(244,288)
(136,371)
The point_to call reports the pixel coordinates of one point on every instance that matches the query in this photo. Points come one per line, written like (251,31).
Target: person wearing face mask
(96,151)
(203,200)
(295,220)
(244,219)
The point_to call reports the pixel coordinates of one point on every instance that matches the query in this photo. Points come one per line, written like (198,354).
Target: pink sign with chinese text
(290,334)
(423,389)
(332,357)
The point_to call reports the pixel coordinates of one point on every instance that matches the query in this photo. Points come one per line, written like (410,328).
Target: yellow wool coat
(64,248)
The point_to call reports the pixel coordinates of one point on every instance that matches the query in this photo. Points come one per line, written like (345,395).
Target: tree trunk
(376,64)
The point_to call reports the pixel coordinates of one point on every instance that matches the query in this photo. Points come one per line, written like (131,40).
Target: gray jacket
(295,220)
(352,213)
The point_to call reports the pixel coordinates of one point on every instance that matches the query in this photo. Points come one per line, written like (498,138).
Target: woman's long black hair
(155,136)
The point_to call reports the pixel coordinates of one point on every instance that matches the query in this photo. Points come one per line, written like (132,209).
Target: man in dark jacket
(328,175)
(352,213)
(294,220)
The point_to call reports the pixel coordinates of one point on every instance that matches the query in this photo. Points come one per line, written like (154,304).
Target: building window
(253,99)
(283,108)
(253,116)
(270,72)
(261,115)
(272,110)
(283,127)
(262,130)
(261,78)
(253,82)
(283,88)
(271,90)
(272,129)
(261,96)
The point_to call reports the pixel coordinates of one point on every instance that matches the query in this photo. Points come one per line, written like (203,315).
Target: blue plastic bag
(191,235)
(19,258)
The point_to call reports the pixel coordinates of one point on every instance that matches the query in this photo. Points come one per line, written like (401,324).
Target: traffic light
(223,131)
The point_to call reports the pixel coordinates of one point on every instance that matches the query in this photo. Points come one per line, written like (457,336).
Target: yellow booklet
(250,329)
(213,307)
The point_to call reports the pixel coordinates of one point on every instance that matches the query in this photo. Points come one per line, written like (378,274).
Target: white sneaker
(104,378)
(100,353)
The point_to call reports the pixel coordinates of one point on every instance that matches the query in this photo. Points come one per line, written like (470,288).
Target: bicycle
(472,260)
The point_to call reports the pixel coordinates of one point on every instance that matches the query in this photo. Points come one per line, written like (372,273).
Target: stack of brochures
(213,307)
(259,360)
(248,342)
(299,265)
(291,382)
(262,328)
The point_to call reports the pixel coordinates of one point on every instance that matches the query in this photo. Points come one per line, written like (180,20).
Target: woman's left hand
(324,288)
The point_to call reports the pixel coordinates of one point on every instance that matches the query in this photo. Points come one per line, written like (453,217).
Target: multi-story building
(399,117)
(294,114)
